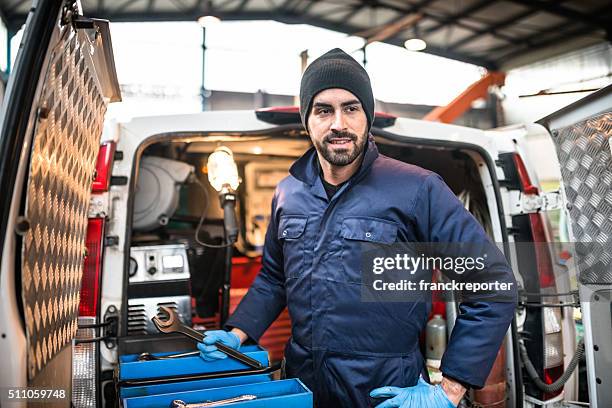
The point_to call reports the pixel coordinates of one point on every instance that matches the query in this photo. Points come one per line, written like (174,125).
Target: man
(340,194)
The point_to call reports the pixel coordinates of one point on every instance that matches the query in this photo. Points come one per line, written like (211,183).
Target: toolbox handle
(164,380)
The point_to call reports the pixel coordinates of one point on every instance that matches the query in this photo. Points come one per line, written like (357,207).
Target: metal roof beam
(242,5)
(582,30)
(438,18)
(356,9)
(456,17)
(286,4)
(447,53)
(531,40)
(121,7)
(418,8)
(415,8)
(491,29)
(391,29)
(298,3)
(554,8)
(309,5)
(334,11)
(528,40)
(180,5)
(220,6)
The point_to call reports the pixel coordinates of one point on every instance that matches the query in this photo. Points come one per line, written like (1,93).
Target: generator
(158,276)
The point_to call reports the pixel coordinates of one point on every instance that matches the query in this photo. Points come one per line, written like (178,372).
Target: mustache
(340,135)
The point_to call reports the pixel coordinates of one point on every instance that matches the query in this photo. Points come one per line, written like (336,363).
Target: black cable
(557,385)
(197,181)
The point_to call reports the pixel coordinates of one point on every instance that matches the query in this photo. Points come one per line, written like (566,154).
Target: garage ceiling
(490,33)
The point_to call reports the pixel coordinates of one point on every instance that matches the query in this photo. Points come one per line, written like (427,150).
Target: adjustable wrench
(174,325)
(218,403)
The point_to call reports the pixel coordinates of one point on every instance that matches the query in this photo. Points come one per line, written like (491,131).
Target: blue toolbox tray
(291,393)
(180,386)
(132,369)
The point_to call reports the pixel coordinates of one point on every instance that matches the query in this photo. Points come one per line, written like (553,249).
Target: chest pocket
(291,233)
(369,230)
(361,234)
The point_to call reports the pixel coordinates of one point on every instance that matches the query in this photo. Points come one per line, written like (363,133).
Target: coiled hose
(557,385)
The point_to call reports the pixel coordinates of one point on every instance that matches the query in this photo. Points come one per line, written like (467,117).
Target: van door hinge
(521,203)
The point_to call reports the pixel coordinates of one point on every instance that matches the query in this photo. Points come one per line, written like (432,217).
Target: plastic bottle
(435,340)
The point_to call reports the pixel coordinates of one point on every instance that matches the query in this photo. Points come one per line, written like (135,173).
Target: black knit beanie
(336,69)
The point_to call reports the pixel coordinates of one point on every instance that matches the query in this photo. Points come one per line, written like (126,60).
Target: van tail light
(104,164)
(85,349)
(553,351)
(84,366)
(539,237)
(84,352)
(551,316)
(526,186)
(553,347)
(542,251)
(90,284)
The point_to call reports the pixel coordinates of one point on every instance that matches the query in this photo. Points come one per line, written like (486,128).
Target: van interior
(176,212)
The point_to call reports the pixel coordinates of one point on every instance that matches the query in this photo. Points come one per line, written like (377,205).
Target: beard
(341,156)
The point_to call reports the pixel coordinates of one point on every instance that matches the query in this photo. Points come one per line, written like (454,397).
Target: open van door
(582,134)
(51,123)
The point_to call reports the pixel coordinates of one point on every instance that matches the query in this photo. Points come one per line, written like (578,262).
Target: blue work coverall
(342,347)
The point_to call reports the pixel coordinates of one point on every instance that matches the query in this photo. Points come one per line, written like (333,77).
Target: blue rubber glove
(421,395)
(208,350)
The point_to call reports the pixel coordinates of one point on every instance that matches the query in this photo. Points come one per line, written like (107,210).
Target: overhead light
(257,150)
(207,21)
(415,44)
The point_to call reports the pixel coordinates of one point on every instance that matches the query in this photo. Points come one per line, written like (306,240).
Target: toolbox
(157,382)
(132,369)
(291,393)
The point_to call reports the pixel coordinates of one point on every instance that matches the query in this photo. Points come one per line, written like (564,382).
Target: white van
(103,223)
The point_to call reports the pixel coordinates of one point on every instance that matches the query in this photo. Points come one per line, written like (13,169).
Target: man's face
(337,126)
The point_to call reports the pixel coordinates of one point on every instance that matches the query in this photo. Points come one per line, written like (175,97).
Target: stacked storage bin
(157,383)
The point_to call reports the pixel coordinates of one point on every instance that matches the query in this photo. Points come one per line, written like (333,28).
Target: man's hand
(241,335)
(421,395)
(208,350)
(454,391)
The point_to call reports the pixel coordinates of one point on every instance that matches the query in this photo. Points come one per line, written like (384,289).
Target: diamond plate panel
(64,150)
(585,156)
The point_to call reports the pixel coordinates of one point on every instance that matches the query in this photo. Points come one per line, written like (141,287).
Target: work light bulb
(222,170)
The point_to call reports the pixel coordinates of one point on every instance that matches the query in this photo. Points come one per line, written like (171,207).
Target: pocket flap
(369,229)
(291,226)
